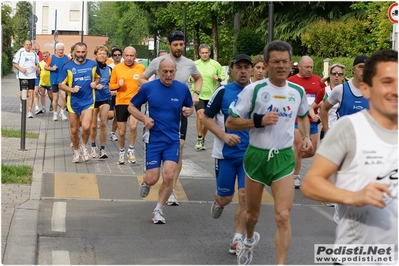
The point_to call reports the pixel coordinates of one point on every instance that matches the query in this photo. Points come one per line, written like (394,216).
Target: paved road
(91,213)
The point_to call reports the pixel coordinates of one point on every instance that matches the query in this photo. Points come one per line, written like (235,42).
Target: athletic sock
(93,144)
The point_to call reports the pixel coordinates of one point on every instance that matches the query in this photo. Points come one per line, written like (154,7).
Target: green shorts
(267,166)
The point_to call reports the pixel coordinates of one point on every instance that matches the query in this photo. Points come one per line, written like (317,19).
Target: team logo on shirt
(265,97)
(74,71)
(136,76)
(291,97)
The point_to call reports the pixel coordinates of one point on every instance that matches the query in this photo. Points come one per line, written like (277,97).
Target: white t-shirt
(27,60)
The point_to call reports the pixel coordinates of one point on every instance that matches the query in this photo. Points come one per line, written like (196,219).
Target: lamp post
(83,9)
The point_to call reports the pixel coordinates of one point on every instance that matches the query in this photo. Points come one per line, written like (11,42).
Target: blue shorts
(77,106)
(156,153)
(227,170)
(37,80)
(45,87)
(313,128)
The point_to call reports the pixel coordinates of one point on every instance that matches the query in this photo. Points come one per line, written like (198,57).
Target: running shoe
(216,210)
(50,107)
(43,110)
(297,181)
(94,152)
(55,116)
(38,110)
(245,250)
(203,147)
(172,201)
(157,217)
(112,136)
(63,116)
(144,189)
(234,244)
(85,152)
(103,154)
(121,159)
(76,156)
(198,145)
(29,115)
(131,158)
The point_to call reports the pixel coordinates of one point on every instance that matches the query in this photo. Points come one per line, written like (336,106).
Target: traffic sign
(393,13)
(33,19)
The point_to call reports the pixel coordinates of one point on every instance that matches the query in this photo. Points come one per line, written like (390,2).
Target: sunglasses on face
(337,73)
(117,55)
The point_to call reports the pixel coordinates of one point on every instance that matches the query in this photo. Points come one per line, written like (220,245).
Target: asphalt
(50,154)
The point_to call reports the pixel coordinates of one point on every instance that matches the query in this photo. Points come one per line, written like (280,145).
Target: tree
(249,43)
(7,31)
(21,23)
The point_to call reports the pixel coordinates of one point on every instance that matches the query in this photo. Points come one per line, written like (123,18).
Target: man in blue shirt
(229,145)
(167,100)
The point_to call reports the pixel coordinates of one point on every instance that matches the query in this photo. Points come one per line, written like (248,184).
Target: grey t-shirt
(339,146)
(185,68)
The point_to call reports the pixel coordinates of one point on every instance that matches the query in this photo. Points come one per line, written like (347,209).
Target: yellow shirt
(44,75)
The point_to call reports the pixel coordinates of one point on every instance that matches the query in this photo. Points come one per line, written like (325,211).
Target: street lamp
(83,9)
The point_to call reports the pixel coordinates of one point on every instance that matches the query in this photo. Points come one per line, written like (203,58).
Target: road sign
(33,18)
(393,13)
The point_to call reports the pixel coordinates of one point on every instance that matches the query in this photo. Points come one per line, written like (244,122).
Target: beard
(80,59)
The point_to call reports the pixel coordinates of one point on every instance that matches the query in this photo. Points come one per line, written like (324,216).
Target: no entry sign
(393,13)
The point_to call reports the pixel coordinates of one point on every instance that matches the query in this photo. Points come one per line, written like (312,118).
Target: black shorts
(122,114)
(201,104)
(183,127)
(98,104)
(31,84)
(54,88)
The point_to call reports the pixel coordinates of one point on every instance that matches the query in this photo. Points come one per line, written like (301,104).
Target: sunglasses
(117,55)
(337,73)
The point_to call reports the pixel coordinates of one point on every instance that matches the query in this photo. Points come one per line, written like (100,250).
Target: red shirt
(312,86)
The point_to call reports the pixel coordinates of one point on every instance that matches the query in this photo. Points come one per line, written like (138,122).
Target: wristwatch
(219,79)
(197,92)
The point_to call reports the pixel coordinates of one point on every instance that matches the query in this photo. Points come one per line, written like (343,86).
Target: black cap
(240,57)
(176,35)
(360,59)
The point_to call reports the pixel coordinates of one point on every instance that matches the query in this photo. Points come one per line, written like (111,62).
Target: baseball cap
(240,57)
(360,59)
(176,35)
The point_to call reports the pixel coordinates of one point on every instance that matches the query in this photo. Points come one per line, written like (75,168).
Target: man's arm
(229,139)
(316,186)
(147,121)
(325,107)
(304,129)
(142,80)
(198,86)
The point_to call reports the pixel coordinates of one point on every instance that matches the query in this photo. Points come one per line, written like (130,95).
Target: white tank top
(375,161)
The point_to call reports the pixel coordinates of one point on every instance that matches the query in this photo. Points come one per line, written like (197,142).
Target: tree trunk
(215,36)
(236,31)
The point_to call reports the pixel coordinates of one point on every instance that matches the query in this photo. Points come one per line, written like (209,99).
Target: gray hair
(276,45)
(60,44)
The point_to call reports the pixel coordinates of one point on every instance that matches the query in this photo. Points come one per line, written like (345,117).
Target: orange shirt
(130,87)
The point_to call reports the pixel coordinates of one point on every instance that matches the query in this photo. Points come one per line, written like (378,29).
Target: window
(45,16)
(74,15)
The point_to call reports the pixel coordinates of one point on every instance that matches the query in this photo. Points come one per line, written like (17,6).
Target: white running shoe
(157,217)
(76,156)
(234,244)
(55,116)
(43,110)
(29,115)
(38,110)
(121,159)
(63,116)
(172,201)
(103,154)
(131,158)
(245,250)
(85,152)
(297,181)
(94,152)
(113,137)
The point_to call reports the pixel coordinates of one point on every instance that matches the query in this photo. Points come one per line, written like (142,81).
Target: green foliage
(13,133)
(7,56)
(21,23)
(16,174)
(249,42)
